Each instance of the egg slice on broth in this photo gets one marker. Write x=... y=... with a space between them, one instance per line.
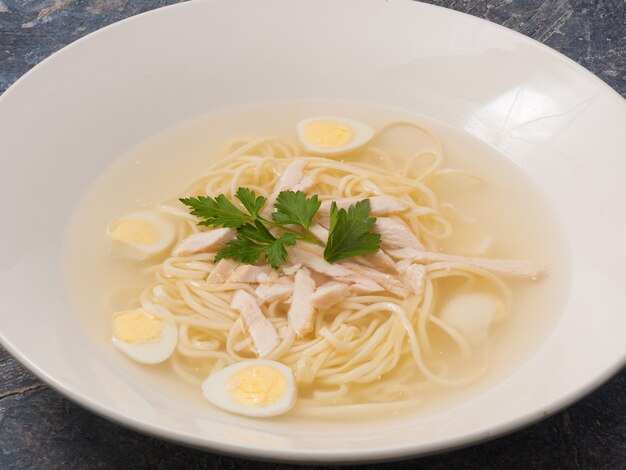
x=141 y=235
x=144 y=337
x=257 y=388
x=332 y=135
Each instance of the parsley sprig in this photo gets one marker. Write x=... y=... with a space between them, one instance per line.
x=349 y=233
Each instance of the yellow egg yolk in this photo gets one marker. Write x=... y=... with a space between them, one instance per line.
x=328 y=134
x=135 y=231
x=257 y=386
x=136 y=327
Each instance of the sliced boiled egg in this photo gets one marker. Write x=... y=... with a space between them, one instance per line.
x=144 y=337
x=471 y=314
x=332 y=135
x=257 y=388
x=141 y=235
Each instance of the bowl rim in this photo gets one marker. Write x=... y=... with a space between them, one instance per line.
x=299 y=455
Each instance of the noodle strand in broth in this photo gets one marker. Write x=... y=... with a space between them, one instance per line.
x=370 y=351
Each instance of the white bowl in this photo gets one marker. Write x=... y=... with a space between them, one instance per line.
x=63 y=123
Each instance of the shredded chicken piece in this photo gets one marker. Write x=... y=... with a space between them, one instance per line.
x=403 y=264
x=378 y=260
x=361 y=284
x=323 y=219
x=292 y=179
x=317 y=263
x=387 y=281
x=320 y=279
x=262 y=332
x=415 y=277
x=289 y=270
x=516 y=268
x=303 y=185
x=394 y=233
x=311 y=248
x=379 y=205
x=201 y=242
x=301 y=310
x=223 y=269
x=311 y=256
x=272 y=292
x=329 y=294
x=320 y=232
x=251 y=273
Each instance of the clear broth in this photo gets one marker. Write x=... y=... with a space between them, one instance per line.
x=510 y=209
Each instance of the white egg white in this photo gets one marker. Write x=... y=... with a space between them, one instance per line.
x=362 y=135
x=138 y=251
x=471 y=314
x=214 y=389
x=155 y=351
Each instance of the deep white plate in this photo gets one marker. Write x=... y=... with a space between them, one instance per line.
x=64 y=122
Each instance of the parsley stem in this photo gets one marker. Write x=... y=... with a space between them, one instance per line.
x=310 y=237
x=307 y=236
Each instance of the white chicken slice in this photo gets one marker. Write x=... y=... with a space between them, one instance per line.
x=317 y=263
x=379 y=260
x=516 y=268
x=292 y=179
x=312 y=257
x=387 y=281
x=329 y=294
x=379 y=205
x=394 y=233
x=272 y=292
x=303 y=185
x=262 y=332
x=415 y=277
x=251 y=274
x=320 y=232
x=289 y=270
x=202 y=242
x=223 y=269
x=361 y=284
x=301 y=310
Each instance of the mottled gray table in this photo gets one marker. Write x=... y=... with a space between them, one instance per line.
x=40 y=429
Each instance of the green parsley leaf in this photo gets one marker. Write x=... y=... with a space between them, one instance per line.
x=295 y=208
x=276 y=252
x=257 y=232
x=218 y=212
x=254 y=241
x=242 y=250
x=349 y=233
x=251 y=201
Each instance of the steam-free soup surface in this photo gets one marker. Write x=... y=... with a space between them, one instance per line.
x=498 y=215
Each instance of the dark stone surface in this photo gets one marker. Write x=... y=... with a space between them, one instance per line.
x=591 y=32
x=40 y=429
